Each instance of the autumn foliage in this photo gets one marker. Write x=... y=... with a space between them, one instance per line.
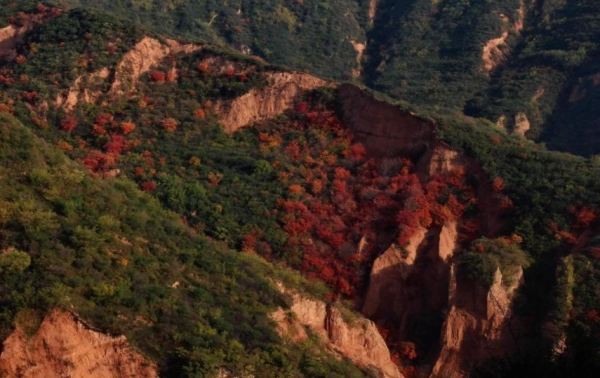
x=169 y=124
x=68 y=124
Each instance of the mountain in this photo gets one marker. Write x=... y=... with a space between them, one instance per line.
x=528 y=67
x=230 y=217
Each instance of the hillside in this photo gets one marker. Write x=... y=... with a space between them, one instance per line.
x=528 y=67
x=175 y=192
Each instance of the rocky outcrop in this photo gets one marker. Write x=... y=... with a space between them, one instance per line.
x=147 y=53
x=522 y=124
x=440 y=159
x=277 y=97
x=478 y=326
x=82 y=91
x=360 y=50
x=358 y=340
x=388 y=276
x=501 y=122
x=411 y=282
x=11 y=36
x=494 y=50
x=382 y=128
x=372 y=10
x=64 y=347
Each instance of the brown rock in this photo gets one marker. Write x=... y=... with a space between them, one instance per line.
x=407 y=283
x=146 y=54
x=477 y=326
x=64 y=347
x=382 y=128
x=81 y=91
x=11 y=36
x=260 y=104
x=522 y=124
x=358 y=341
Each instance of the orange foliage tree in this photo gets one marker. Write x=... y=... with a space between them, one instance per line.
x=169 y=124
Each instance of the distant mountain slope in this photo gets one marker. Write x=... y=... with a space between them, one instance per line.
x=308 y=34
x=431 y=52
x=523 y=65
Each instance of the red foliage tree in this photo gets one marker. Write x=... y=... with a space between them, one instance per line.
x=158 y=76
x=127 y=127
x=104 y=119
x=583 y=216
x=115 y=145
x=148 y=186
x=202 y=67
x=199 y=113
x=68 y=124
x=497 y=184
x=169 y=124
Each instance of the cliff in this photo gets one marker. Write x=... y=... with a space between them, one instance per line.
x=11 y=36
x=478 y=326
x=382 y=128
x=408 y=282
x=259 y=104
x=63 y=346
x=358 y=340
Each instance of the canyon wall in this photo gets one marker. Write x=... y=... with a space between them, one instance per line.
x=478 y=326
x=382 y=128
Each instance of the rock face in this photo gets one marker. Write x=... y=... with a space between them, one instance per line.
x=478 y=326
x=10 y=36
x=81 y=91
x=522 y=124
x=147 y=53
x=359 y=340
x=64 y=347
x=409 y=282
x=382 y=128
x=372 y=10
x=259 y=104
x=492 y=53
x=440 y=159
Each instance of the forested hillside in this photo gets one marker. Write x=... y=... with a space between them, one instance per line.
x=309 y=34
x=530 y=67
x=163 y=189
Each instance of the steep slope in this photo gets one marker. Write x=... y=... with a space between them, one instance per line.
x=357 y=339
x=407 y=198
x=64 y=346
x=299 y=34
x=548 y=83
x=111 y=253
x=438 y=53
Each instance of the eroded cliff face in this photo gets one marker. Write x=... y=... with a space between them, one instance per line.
x=495 y=50
x=478 y=326
x=11 y=36
x=64 y=347
x=408 y=283
x=382 y=128
x=147 y=53
x=83 y=90
x=358 y=340
x=277 y=97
